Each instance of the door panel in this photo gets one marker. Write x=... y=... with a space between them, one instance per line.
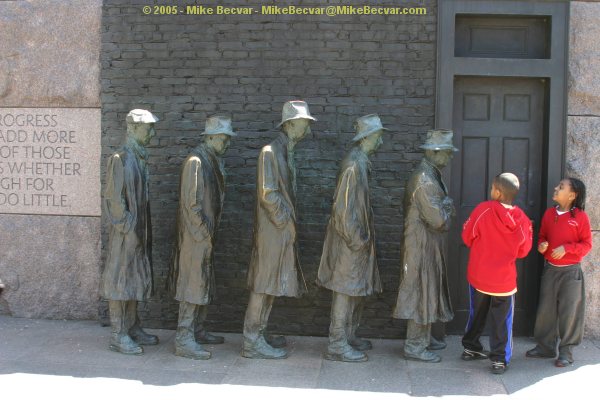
x=498 y=126
x=486 y=36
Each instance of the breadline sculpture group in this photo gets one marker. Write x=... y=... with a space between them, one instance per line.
x=348 y=264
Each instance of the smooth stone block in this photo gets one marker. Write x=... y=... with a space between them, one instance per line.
x=50 y=265
x=49 y=52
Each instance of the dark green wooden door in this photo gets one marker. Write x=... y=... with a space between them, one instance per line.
x=498 y=124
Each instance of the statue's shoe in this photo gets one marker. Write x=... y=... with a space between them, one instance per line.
x=276 y=341
x=125 y=345
x=435 y=344
x=361 y=344
x=261 y=349
x=191 y=350
x=143 y=338
x=425 y=356
x=351 y=355
x=205 y=337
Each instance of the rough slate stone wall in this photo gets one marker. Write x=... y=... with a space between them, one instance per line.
x=185 y=68
x=583 y=137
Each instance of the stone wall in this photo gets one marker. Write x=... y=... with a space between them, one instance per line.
x=185 y=68
x=49 y=68
x=583 y=136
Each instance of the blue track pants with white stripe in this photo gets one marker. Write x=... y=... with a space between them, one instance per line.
x=501 y=311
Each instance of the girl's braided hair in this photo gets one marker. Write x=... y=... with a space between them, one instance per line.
x=578 y=188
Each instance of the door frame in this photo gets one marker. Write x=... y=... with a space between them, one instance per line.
x=554 y=69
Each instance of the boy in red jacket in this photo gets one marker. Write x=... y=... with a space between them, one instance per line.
x=497 y=233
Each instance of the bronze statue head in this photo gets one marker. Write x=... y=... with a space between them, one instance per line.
x=368 y=133
x=295 y=120
x=140 y=126
x=217 y=133
x=438 y=147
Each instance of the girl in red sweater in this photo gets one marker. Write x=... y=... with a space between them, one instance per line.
x=565 y=238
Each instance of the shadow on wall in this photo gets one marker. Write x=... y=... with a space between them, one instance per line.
x=3 y=303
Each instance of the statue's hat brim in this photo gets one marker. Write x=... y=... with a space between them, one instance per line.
x=367 y=125
x=139 y=116
x=295 y=109
x=218 y=124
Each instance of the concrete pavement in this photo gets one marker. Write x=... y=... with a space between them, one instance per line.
x=71 y=359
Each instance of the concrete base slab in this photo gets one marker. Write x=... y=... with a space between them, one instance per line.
x=446 y=381
x=390 y=376
x=67 y=356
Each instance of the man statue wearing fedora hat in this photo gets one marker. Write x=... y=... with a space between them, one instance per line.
x=423 y=297
x=127 y=276
x=348 y=265
x=274 y=268
x=201 y=195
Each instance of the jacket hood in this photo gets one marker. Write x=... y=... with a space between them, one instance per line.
x=509 y=219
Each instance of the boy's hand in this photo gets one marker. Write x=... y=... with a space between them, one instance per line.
x=558 y=252
x=542 y=247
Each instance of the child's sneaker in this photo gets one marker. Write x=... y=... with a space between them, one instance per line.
x=498 y=367
x=470 y=355
x=563 y=361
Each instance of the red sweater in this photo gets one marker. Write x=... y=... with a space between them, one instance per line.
x=497 y=236
x=574 y=233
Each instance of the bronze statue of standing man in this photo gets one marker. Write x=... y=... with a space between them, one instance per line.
x=201 y=195
x=423 y=297
x=274 y=268
x=348 y=264
x=127 y=276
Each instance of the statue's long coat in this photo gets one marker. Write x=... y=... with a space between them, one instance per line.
x=423 y=295
x=274 y=267
x=128 y=269
x=201 y=196
x=348 y=263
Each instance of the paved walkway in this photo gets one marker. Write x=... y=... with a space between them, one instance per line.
x=71 y=359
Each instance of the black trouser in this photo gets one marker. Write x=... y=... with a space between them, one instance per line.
x=501 y=310
x=561 y=309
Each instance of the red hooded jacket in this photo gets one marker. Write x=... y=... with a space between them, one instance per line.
x=497 y=236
